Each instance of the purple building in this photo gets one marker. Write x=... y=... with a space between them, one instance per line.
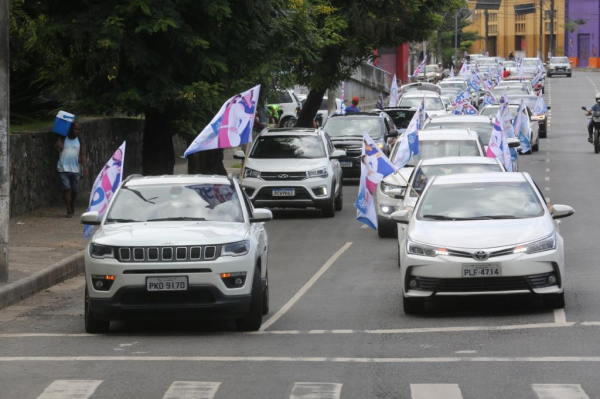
x=584 y=42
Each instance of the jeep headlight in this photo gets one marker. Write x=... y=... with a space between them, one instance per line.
x=415 y=248
x=318 y=173
x=239 y=248
x=101 y=251
x=251 y=173
x=545 y=244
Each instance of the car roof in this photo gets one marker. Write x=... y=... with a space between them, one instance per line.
x=290 y=131
x=176 y=179
x=492 y=177
x=459 y=161
x=356 y=115
x=459 y=118
x=420 y=93
x=447 y=134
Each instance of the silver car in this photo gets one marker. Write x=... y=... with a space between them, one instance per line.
x=559 y=66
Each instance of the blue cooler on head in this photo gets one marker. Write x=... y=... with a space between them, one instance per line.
x=62 y=123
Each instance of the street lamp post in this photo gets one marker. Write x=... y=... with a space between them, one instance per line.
x=456 y=33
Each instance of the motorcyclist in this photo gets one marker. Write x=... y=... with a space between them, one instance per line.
x=595 y=107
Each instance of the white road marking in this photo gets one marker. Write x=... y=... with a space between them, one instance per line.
x=559 y=316
x=559 y=391
x=547 y=169
x=547 y=188
x=472 y=328
x=547 y=160
x=305 y=288
x=316 y=390
x=466 y=352
x=70 y=389
x=435 y=391
x=547 y=178
x=43 y=335
x=591 y=323
x=300 y=359
x=192 y=390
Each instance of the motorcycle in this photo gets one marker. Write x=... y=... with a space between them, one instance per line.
x=596 y=129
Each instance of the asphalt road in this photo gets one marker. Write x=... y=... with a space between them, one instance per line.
x=336 y=326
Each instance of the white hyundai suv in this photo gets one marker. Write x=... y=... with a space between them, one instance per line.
x=293 y=168
x=177 y=246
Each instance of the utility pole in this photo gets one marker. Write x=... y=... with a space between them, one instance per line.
x=552 y=27
x=541 y=48
x=486 y=30
x=425 y=56
x=4 y=124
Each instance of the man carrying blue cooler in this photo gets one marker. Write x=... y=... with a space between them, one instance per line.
x=72 y=154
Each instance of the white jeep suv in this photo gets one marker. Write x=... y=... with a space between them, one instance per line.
x=293 y=168
x=177 y=246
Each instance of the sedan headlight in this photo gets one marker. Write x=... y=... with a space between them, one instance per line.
x=380 y=146
x=545 y=244
x=386 y=188
x=239 y=248
x=101 y=251
x=251 y=173
x=415 y=248
x=318 y=173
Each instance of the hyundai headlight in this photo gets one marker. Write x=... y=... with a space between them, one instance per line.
x=318 y=173
x=386 y=188
x=101 y=251
x=545 y=244
x=380 y=146
x=239 y=248
x=415 y=248
x=251 y=173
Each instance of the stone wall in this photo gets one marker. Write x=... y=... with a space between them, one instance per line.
x=33 y=159
x=367 y=83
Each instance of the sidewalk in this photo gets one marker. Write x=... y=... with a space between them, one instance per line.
x=586 y=69
x=45 y=248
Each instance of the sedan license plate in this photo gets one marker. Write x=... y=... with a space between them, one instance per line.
x=283 y=192
x=346 y=164
x=167 y=283
x=482 y=270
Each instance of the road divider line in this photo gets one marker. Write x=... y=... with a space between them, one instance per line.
x=560 y=316
x=305 y=288
x=435 y=391
x=192 y=389
x=79 y=389
x=316 y=390
x=559 y=391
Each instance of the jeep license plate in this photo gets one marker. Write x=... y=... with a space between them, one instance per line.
x=283 y=192
x=166 y=283
x=346 y=164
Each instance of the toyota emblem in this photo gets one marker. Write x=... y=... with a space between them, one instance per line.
x=283 y=176
x=481 y=255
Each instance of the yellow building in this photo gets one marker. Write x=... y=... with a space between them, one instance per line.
x=518 y=33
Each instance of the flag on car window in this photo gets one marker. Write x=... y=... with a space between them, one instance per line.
x=231 y=126
x=342 y=109
x=394 y=92
x=374 y=167
x=105 y=186
x=507 y=126
x=540 y=106
x=462 y=96
x=421 y=65
x=521 y=127
x=498 y=145
x=489 y=99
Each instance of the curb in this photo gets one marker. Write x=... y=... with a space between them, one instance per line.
x=586 y=69
x=47 y=277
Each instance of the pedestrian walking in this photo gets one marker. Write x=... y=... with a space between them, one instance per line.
x=70 y=163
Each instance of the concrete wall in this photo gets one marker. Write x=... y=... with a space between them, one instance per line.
x=33 y=160
x=589 y=11
x=367 y=83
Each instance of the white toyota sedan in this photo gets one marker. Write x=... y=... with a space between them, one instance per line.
x=481 y=234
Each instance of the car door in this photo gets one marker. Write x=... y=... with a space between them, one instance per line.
x=335 y=164
x=534 y=126
x=259 y=234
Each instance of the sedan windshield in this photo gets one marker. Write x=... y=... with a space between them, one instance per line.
x=483 y=129
x=530 y=63
x=510 y=64
x=427 y=172
x=480 y=201
x=431 y=103
x=349 y=126
x=454 y=85
x=559 y=60
x=194 y=202
x=499 y=91
x=306 y=147
x=445 y=148
x=493 y=111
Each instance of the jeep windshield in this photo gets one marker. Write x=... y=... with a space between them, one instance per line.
x=279 y=147
x=176 y=202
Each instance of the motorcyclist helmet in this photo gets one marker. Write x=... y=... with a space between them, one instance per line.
x=597 y=98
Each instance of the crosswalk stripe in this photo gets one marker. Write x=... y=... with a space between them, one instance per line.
x=435 y=391
x=316 y=390
x=559 y=391
x=192 y=390
x=70 y=389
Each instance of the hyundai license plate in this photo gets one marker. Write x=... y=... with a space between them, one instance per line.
x=166 y=283
x=482 y=270
x=346 y=164
x=283 y=192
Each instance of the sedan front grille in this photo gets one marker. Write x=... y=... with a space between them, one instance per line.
x=484 y=284
x=168 y=254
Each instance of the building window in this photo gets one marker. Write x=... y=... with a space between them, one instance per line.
x=547 y=26
x=520 y=27
x=520 y=17
x=492 y=29
x=492 y=17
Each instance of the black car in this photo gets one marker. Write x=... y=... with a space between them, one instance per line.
x=346 y=133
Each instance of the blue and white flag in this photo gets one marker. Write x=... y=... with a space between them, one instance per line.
x=374 y=167
x=463 y=69
x=507 y=126
x=421 y=65
x=540 y=106
x=452 y=71
x=380 y=101
x=521 y=128
x=536 y=79
x=475 y=80
x=409 y=145
x=498 y=145
x=231 y=126
x=462 y=96
x=105 y=186
x=458 y=108
x=342 y=109
x=394 y=92
x=469 y=109
x=500 y=73
x=489 y=99
x=520 y=69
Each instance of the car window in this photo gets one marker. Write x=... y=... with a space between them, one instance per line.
x=493 y=111
x=483 y=129
x=559 y=60
x=431 y=103
x=278 y=147
x=499 y=91
x=248 y=203
x=345 y=126
x=194 y=202
x=427 y=172
x=480 y=200
x=454 y=85
x=401 y=118
x=445 y=148
x=330 y=145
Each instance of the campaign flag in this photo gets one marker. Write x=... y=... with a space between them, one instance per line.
x=521 y=128
x=452 y=71
x=488 y=84
x=458 y=108
x=500 y=73
x=105 y=186
x=520 y=69
x=380 y=101
x=469 y=109
x=462 y=96
x=231 y=126
x=342 y=109
x=540 y=106
x=498 y=146
x=507 y=125
x=374 y=167
x=463 y=69
x=409 y=145
x=421 y=65
x=475 y=80
x=422 y=119
x=489 y=99
x=394 y=92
